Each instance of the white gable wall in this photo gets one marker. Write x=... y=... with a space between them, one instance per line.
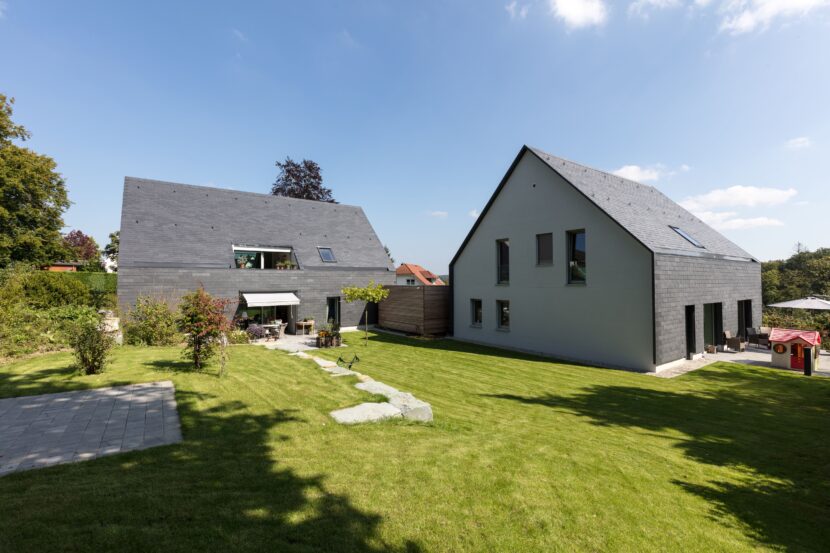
x=607 y=321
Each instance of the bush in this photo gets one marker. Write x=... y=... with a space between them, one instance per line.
x=202 y=319
x=92 y=347
x=237 y=337
x=255 y=332
x=151 y=323
x=44 y=289
x=102 y=287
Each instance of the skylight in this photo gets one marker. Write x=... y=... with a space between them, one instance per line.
x=688 y=237
x=327 y=255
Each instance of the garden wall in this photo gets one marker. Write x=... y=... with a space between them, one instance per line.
x=423 y=310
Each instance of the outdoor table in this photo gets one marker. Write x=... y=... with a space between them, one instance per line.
x=305 y=327
x=273 y=327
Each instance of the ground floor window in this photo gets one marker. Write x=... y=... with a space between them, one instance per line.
x=503 y=312
x=333 y=310
x=475 y=312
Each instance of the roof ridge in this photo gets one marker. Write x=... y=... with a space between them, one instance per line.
x=594 y=169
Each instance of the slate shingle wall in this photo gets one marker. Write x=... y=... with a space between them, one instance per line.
x=680 y=281
x=312 y=287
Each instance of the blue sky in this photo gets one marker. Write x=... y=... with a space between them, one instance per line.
x=414 y=110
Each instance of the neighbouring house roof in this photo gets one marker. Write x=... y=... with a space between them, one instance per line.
x=424 y=276
x=166 y=224
x=812 y=337
x=643 y=211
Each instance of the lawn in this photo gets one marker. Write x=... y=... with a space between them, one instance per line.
x=525 y=454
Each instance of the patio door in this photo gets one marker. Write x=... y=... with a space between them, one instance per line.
x=744 y=317
x=713 y=324
x=333 y=310
x=691 y=348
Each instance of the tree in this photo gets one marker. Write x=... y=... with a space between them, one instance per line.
x=33 y=198
x=301 y=180
x=371 y=293
x=81 y=247
x=202 y=319
x=111 y=249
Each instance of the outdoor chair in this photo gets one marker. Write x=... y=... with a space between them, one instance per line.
x=733 y=342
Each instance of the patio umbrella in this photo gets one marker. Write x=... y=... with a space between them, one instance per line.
x=809 y=302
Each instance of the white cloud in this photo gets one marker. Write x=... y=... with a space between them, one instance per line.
x=240 y=36
x=639 y=174
x=744 y=16
x=3 y=7
x=642 y=8
x=516 y=10
x=799 y=143
x=580 y=13
x=727 y=220
x=739 y=196
x=685 y=168
x=438 y=214
x=474 y=213
x=346 y=39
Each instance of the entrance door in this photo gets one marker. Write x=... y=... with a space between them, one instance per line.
x=744 y=317
x=797 y=356
x=691 y=348
x=333 y=310
x=713 y=324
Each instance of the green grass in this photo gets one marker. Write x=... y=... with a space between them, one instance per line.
x=524 y=455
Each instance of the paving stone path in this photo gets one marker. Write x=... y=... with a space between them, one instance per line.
x=399 y=404
x=50 y=429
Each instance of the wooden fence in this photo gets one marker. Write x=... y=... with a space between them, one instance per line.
x=423 y=310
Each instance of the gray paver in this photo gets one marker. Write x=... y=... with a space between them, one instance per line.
x=50 y=429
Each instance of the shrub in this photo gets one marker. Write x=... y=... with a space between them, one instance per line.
x=44 y=289
x=255 y=332
x=202 y=319
x=92 y=347
x=237 y=337
x=151 y=323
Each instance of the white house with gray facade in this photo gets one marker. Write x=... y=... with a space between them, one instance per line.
x=276 y=258
x=582 y=265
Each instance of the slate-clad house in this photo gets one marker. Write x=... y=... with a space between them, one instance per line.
x=583 y=265
x=275 y=257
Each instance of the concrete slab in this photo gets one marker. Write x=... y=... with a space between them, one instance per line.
x=366 y=412
x=50 y=429
x=411 y=407
x=375 y=387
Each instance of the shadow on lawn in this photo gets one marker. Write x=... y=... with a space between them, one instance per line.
x=771 y=429
x=222 y=489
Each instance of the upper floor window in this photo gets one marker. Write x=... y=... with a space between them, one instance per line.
x=503 y=261
x=261 y=257
x=410 y=282
x=544 y=249
x=327 y=255
x=689 y=238
x=576 y=256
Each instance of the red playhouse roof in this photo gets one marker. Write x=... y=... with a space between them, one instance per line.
x=812 y=337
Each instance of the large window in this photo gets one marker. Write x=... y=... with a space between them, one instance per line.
x=576 y=257
x=256 y=257
x=327 y=255
x=476 y=315
x=688 y=237
x=503 y=261
x=503 y=312
x=544 y=249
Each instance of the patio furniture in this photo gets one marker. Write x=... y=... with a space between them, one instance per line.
x=305 y=327
x=274 y=331
x=733 y=342
x=759 y=336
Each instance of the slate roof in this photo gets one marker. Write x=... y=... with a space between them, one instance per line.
x=166 y=224
x=644 y=211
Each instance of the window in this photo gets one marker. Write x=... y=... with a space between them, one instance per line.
x=688 y=237
x=264 y=257
x=503 y=261
x=475 y=312
x=576 y=257
x=333 y=310
x=503 y=311
x=544 y=249
x=327 y=255
x=410 y=282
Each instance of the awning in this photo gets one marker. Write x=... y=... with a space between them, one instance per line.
x=269 y=300
x=804 y=303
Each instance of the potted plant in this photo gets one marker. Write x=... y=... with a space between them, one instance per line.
x=324 y=337
x=336 y=339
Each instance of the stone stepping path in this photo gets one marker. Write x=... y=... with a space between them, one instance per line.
x=399 y=404
x=50 y=429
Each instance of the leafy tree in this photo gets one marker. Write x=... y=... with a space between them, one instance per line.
x=202 y=319
x=301 y=180
x=371 y=293
x=111 y=249
x=81 y=246
x=33 y=198
x=151 y=323
x=92 y=345
x=44 y=289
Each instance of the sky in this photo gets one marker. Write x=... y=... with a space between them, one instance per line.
x=415 y=110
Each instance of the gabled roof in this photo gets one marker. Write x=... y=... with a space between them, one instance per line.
x=420 y=273
x=166 y=224
x=643 y=211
